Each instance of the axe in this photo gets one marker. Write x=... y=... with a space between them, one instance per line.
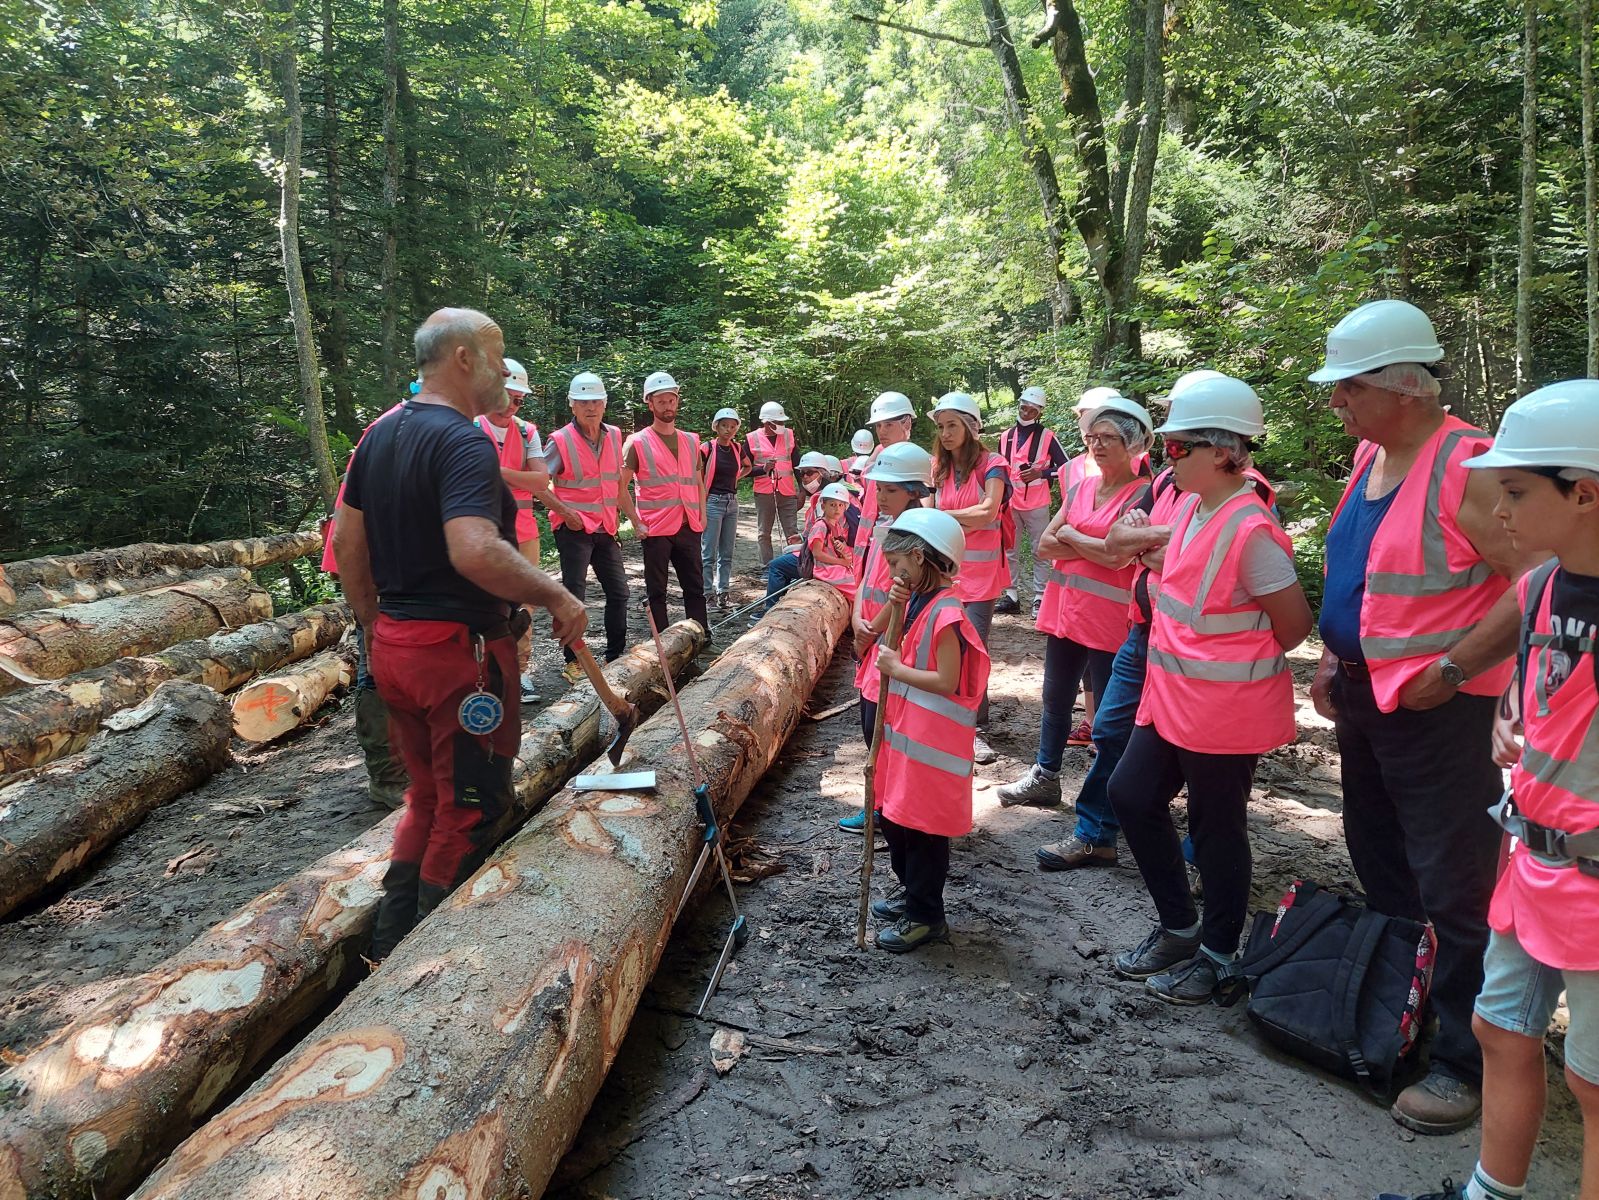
x=626 y=714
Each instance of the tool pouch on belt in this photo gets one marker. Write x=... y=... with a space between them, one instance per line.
x=1338 y=985
x=521 y=621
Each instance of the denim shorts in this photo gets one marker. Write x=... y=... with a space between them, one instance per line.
x=1520 y=994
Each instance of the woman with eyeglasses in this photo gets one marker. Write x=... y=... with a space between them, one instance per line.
x=1217 y=695
x=1085 y=601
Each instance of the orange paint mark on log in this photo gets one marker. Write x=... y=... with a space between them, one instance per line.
x=464 y=1166
x=332 y=1070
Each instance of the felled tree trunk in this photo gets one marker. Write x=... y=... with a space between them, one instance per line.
x=54 y=642
x=448 y=1074
x=43 y=723
x=106 y=1097
x=146 y=558
x=54 y=821
x=85 y=591
x=268 y=708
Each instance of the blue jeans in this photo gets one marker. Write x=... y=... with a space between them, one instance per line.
x=1065 y=664
x=1113 y=725
x=780 y=572
x=716 y=544
x=981 y=614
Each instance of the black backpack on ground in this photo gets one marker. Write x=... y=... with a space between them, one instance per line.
x=1339 y=985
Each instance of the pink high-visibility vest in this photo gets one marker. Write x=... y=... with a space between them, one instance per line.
x=843 y=576
x=513 y=456
x=588 y=483
x=984 y=573
x=1025 y=497
x=1553 y=911
x=779 y=452
x=875 y=580
x=1217 y=681
x=924 y=766
x=1083 y=600
x=669 y=485
x=1426 y=585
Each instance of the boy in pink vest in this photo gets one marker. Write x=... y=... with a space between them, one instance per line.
x=1544 y=915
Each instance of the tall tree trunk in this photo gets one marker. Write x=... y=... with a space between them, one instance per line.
x=316 y=426
x=1136 y=228
x=1527 y=262
x=410 y=196
x=335 y=331
x=388 y=271
x=1136 y=14
x=1590 y=175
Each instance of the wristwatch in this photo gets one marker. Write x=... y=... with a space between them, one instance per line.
x=1451 y=672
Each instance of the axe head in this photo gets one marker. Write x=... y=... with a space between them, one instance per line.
x=626 y=723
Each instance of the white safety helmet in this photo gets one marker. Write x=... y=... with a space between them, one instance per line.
x=1554 y=426
x=773 y=411
x=1121 y=404
x=904 y=462
x=862 y=442
x=960 y=402
x=586 y=386
x=812 y=460
x=1187 y=380
x=1377 y=335
x=516 y=382
x=835 y=491
x=938 y=529
x=889 y=405
x=1219 y=403
x=1095 y=397
x=661 y=381
x=1033 y=396
x=725 y=414
x=833 y=464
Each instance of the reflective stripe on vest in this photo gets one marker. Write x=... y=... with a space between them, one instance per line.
x=781 y=455
x=668 y=496
x=943 y=706
x=1192 y=615
x=1083 y=600
x=984 y=572
x=1219 y=672
x=1436 y=577
x=589 y=483
x=1023 y=497
x=927 y=756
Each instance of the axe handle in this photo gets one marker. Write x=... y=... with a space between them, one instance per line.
x=618 y=707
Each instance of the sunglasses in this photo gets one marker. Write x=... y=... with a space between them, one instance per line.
x=1104 y=439
x=1176 y=451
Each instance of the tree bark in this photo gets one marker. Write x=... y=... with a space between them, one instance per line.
x=266 y=709
x=388 y=269
x=335 y=332
x=1526 y=263
x=316 y=425
x=1135 y=227
x=32 y=599
x=1590 y=188
x=80 y=578
x=56 y=820
x=42 y=724
x=151 y=1061
x=444 y=1074
x=53 y=643
x=1135 y=15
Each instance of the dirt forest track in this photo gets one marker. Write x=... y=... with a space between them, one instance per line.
x=1008 y=1063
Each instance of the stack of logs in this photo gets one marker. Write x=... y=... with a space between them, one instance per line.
x=465 y=1065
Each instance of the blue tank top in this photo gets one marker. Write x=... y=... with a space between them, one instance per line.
x=1348 y=548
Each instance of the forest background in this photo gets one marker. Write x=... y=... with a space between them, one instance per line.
x=223 y=221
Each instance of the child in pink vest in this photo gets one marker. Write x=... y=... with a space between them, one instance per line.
x=828 y=540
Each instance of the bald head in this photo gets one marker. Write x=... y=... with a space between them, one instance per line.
x=460 y=355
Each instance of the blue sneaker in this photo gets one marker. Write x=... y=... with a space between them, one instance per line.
x=854 y=823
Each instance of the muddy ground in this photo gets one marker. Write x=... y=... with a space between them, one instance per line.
x=1007 y=1063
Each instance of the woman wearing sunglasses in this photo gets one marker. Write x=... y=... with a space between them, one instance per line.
x=1217 y=696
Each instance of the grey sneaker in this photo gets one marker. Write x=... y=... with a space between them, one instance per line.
x=1034 y=788
x=982 y=752
x=1192 y=982
x=1160 y=951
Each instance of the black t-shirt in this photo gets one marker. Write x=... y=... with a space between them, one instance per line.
x=1574 y=619
x=728 y=460
x=413 y=471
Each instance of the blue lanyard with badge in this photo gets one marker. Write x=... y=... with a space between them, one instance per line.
x=481 y=712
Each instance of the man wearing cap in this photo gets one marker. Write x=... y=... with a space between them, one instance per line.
x=426 y=541
x=584 y=462
x=1418 y=623
x=664 y=463
x=522 y=467
x=771 y=449
x=724 y=461
x=1034 y=455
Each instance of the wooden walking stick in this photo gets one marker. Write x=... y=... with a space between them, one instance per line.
x=896 y=617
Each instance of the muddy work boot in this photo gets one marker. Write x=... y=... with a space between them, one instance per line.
x=1160 y=951
x=906 y=935
x=1192 y=982
x=1438 y=1104
x=1074 y=852
x=386 y=779
x=1039 y=788
x=890 y=908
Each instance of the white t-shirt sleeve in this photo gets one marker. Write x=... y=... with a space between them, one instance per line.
x=1266 y=567
x=535 y=443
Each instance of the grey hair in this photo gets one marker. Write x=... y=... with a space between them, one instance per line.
x=1234 y=445
x=1132 y=431
x=1407 y=379
x=445 y=330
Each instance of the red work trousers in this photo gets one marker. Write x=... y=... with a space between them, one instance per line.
x=460 y=782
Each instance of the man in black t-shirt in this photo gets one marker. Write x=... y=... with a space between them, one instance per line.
x=426 y=545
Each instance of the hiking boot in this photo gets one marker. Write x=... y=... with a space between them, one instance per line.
x=982 y=752
x=1035 y=788
x=721 y=602
x=891 y=908
x=1158 y=952
x=906 y=935
x=1438 y=1104
x=1082 y=734
x=1074 y=852
x=1007 y=604
x=1192 y=982
x=1452 y=1191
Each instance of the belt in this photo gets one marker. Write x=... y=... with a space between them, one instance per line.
x=1354 y=670
x=1550 y=846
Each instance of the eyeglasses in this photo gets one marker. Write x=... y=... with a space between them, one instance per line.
x=1176 y=451
x=1103 y=439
